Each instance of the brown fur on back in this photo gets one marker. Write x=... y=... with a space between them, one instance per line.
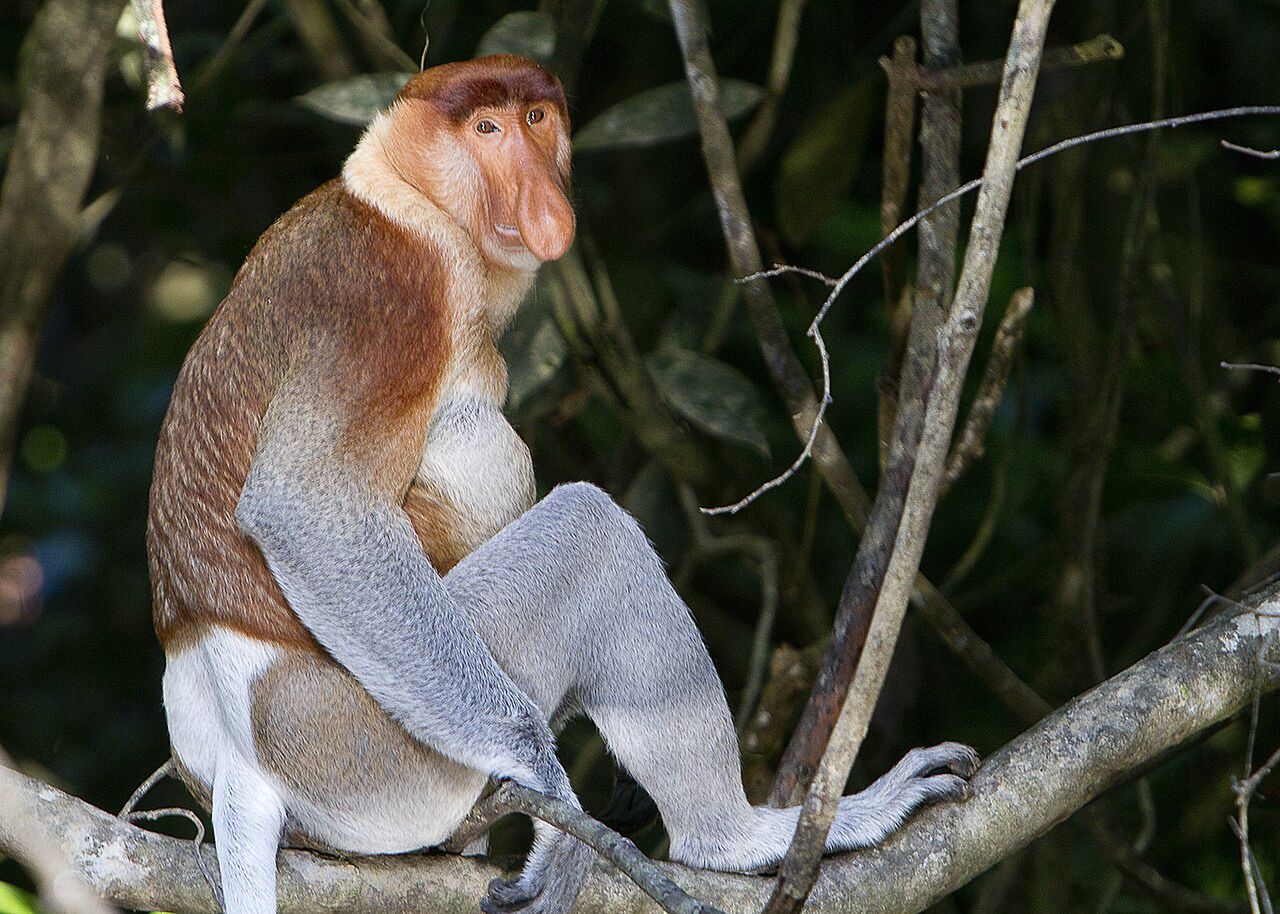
x=332 y=278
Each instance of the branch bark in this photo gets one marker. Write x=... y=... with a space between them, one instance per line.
x=61 y=890
x=1086 y=747
x=55 y=148
x=880 y=583
x=788 y=374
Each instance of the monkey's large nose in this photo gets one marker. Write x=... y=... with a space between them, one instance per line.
x=544 y=217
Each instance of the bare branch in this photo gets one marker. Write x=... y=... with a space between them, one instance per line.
x=971 y=445
x=1256 y=153
x=61 y=889
x=786 y=35
x=164 y=90
x=1024 y=789
x=789 y=377
x=899 y=131
x=55 y=149
x=843 y=281
x=371 y=22
x=987 y=72
x=880 y=585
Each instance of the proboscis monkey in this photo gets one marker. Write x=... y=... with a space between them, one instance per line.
x=365 y=615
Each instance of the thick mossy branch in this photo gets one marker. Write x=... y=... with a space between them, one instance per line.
x=1089 y=745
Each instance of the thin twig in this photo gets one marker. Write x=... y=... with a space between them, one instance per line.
x=987 y=72
x=1250 y=366
x=780 y=268
x=483 y=816
x=376 y=34
x=786 y=35
x=164 y=90
x=151 y=815
x=886 y=594
x=963 y=190
x=145 y=787
x=971 y=445
x=1256 y=153
x=606 y=842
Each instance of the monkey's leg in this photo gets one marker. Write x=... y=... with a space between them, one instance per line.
x=247 y=820
x=575 y=606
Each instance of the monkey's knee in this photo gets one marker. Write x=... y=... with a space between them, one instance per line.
x=584 y=501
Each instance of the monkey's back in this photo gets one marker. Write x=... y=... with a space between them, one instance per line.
x=313 y=276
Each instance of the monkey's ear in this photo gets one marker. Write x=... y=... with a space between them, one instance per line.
x=544 y=216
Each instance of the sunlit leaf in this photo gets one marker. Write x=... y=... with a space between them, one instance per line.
x=818 y=168
x=715 y=397
x=528 y=33
x=659 y=115
x=15 y=901
x=355 y=100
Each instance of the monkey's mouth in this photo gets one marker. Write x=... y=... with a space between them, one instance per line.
x=509 y=235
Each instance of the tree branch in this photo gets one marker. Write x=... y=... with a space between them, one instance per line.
x=55 y=149
x=164 y=89
x=930 y=78
x=1088 y=746
x=883 y=575
x=61 y=890
x=972 y=443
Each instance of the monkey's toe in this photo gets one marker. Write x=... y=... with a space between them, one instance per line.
x=507 y=895
x=952 y=758
x=940 y=787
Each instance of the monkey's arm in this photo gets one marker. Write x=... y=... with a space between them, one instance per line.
x=322 y=500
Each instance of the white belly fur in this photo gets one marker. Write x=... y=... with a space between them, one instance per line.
x=474 y=459
x=208 y=695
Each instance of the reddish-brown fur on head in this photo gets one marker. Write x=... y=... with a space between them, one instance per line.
x=487 y=141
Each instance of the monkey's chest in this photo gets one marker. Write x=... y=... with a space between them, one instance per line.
x=475 y=477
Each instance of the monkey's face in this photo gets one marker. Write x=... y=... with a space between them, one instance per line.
x=524 y=207
x=491 y=148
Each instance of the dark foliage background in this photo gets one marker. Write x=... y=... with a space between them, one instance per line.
x=1188 y=491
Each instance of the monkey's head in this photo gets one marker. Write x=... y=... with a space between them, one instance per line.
x=487 y=140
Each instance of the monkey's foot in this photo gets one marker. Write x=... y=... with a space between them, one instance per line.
x=922 y=778
x=548 y=885
x=927 y=776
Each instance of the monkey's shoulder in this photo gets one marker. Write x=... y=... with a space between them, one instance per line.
x=333 y=261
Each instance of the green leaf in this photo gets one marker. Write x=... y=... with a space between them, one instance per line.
x=535 y=352
x=818 y=168
x=528 y=33
x=660 y=114
x=713 y=396
x=15 y=901
x=355 y=100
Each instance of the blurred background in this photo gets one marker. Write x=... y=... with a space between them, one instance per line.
x=1125 y=470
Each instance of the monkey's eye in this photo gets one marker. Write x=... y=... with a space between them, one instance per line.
x=486 y=126
x=535 y=115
